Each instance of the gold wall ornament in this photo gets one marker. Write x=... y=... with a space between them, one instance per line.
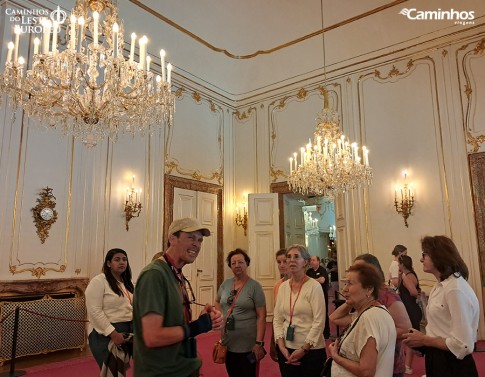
x=133 y=204
x=44 y=213
x=404 y=202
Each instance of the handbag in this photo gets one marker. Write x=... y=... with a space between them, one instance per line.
x=219 y=352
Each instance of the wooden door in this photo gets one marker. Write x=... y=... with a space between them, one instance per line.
x=263 y=233
x=202 y=274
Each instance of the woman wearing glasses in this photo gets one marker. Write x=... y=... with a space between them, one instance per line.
x=299 y=319
x=452 y=313
x=242 y=302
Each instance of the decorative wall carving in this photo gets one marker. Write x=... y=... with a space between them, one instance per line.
x=474 y=127
x=477 y=173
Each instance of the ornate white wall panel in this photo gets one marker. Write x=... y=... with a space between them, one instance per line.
x=193 y=145
x=395 y=115
x=470 y=60
x=292 y=122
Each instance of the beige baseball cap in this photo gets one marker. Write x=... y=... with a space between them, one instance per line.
x=187 y=224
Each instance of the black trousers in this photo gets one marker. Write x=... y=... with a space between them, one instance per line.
x=311 y=364
x=238 y=365
x=98 y=343
x=440 y=363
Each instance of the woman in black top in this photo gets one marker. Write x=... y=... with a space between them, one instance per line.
x=409 y=290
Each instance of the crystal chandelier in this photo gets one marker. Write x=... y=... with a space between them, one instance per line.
x=331 y=165
x=311 y=224
x=84 y=85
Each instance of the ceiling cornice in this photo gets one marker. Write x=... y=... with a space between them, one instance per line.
x=271 y=50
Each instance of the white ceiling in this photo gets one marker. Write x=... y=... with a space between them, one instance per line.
x=193 y=31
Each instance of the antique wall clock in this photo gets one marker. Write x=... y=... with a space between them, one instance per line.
x=44 y=213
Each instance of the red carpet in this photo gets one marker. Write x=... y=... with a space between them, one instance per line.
x=86 y=366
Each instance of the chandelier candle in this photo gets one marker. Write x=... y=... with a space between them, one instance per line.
x=85 y=87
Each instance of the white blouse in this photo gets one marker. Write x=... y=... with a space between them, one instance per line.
x=308 y=315
x=105 y=307
x=452 y=314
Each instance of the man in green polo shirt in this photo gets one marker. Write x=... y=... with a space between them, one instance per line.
x=164 y=344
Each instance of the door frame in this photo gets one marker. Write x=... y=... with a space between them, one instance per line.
x=170 y=182
x=281 y=188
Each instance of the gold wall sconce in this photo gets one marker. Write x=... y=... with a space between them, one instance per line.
x=241 y=217
x=406 y=200
x=132 y=203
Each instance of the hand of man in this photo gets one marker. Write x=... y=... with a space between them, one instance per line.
x=215 y=315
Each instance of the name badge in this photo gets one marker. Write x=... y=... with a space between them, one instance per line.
x=290 y=333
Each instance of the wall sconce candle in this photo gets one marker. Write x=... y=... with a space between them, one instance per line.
x=332 y=235
x=241 y=219
x=406 y=202
x=132 y=203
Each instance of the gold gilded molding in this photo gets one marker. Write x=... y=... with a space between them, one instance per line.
x=216 y=175
x=197 y=97
x=475 y=142
x=394 y=72
x=281 y=103
x=38 y=272
x=469 y=101
x=468 y=91
x=243 y=115
x=271 y=50
x=276 y=173
x=302 y=93
x=179 y=92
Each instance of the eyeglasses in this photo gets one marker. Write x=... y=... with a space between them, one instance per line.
x=424 y=254
x=231 y=297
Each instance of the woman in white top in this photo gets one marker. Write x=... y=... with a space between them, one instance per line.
x=109 y=298
x=367 y=346
x=299 y=319
x=452 y=313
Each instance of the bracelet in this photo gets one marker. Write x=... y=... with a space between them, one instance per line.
x=305 y=351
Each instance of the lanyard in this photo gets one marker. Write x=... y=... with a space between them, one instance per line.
x=183 y=289
x=237 y=295
x=126 y=293
x=292 y=306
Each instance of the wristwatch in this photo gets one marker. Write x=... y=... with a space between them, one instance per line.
x=260 y=343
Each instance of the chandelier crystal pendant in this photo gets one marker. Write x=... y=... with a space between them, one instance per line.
x=331 y=165
x=86 y=87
